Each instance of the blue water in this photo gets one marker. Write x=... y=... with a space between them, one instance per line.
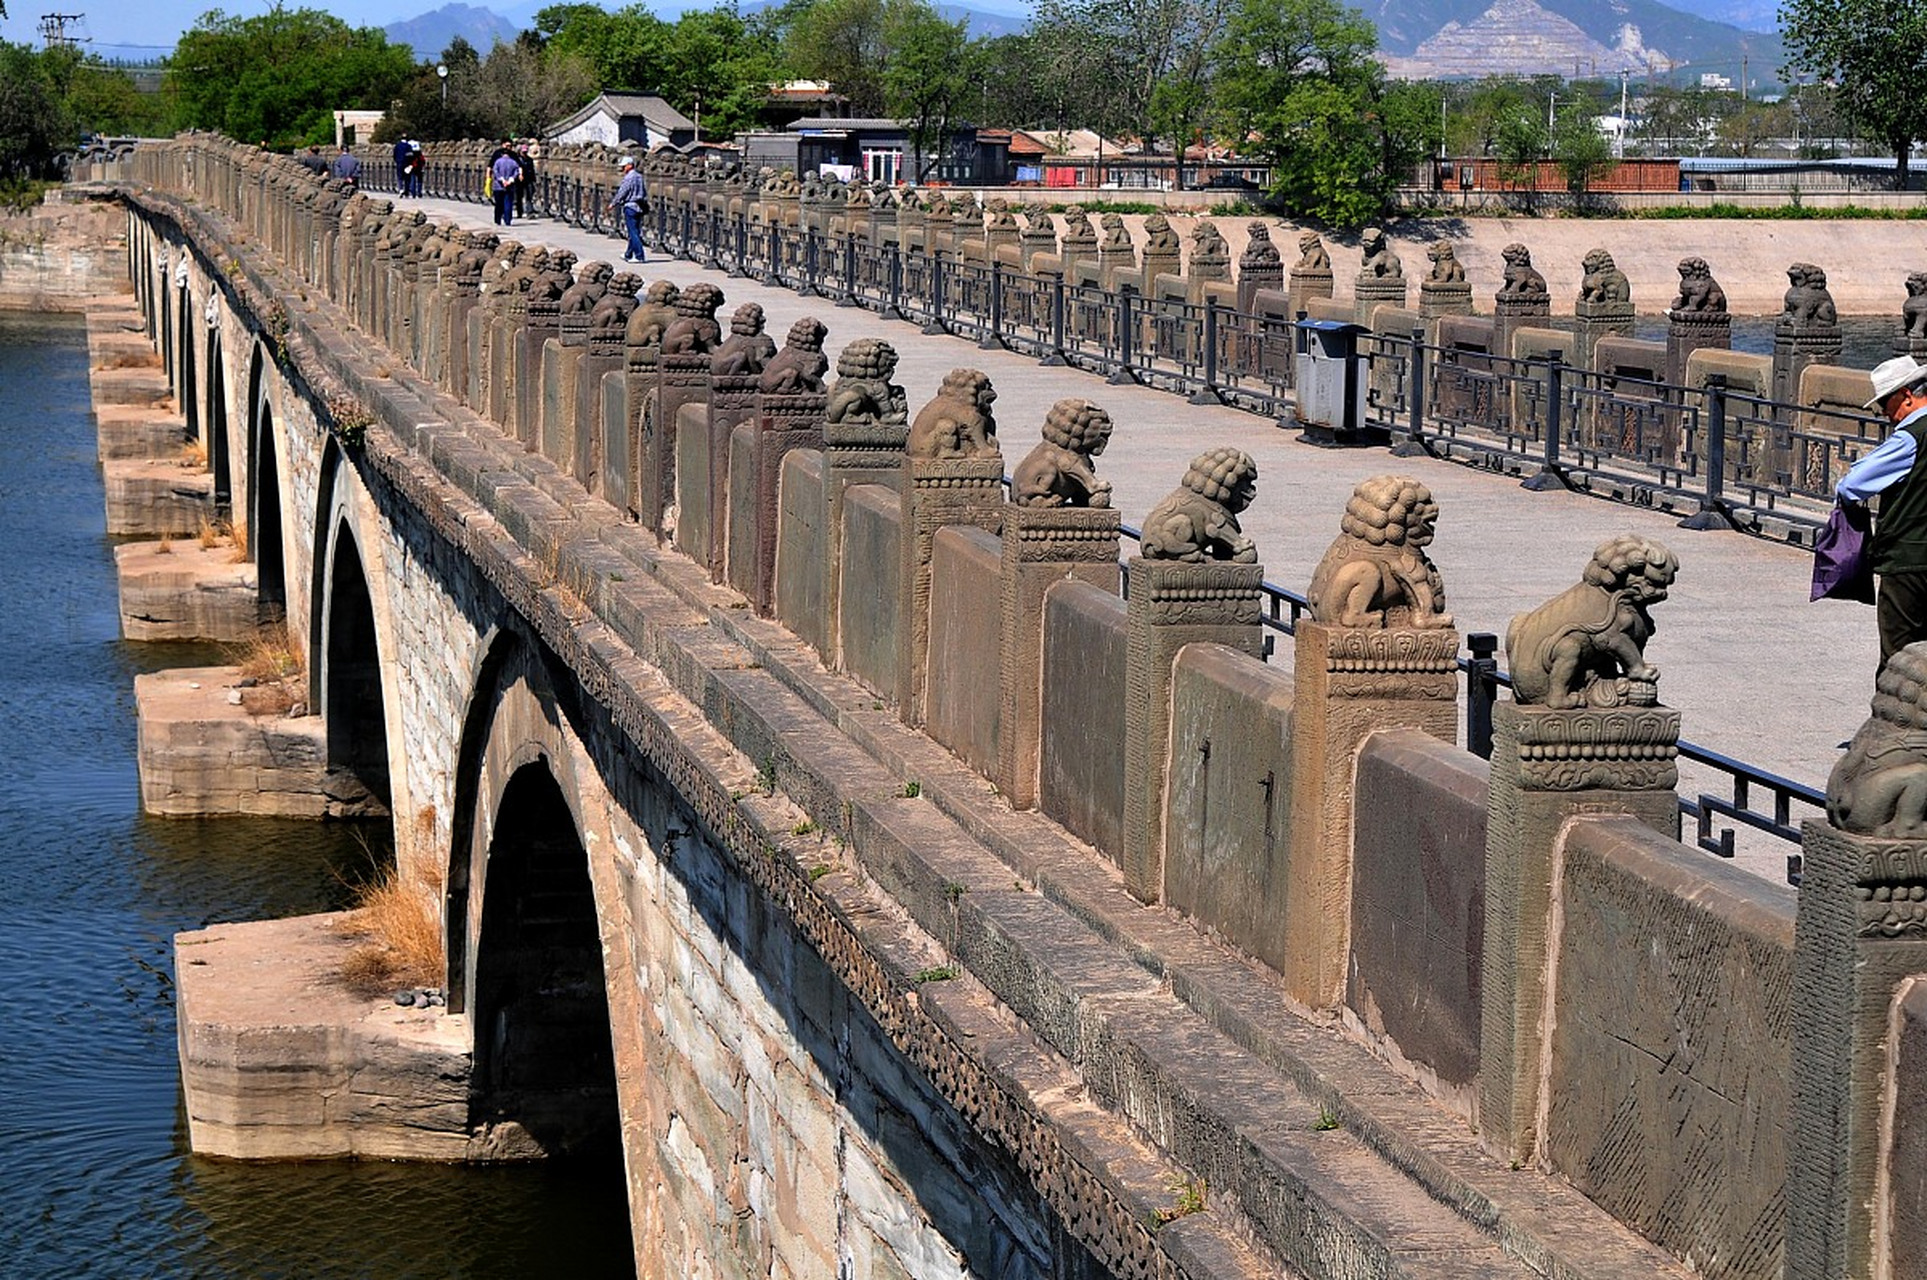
x=98 y=1180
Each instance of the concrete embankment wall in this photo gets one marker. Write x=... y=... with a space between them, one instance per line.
x=59 y=254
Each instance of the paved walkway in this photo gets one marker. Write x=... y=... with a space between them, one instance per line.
x=1756 y=670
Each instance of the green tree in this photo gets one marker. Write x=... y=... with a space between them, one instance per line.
x=35 y=124
x=280 y=76
x=1578 y=147
x=1875 y=54
x=845 y=42
x=1744 y=131
x=1112 y=56
x=926 y=81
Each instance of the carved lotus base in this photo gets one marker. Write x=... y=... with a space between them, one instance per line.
x=1604 y=749
x=1385 y=664
x=1209 y=593
x=1060 y=535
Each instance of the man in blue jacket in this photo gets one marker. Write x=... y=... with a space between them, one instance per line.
x=1897 y=471
x=629 y=198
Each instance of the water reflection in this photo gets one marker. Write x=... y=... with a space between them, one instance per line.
x=99 y=1182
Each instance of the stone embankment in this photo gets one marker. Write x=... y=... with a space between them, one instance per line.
x=59 y=255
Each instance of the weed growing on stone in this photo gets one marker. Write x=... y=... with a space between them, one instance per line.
x=820 y=870
x=953 y=892
x=1187 y=1198
x=209 y=535
x=194 y=454
x=349 y=420
x=766 y=776
x=403 y=935
x=912 y=789
x=1327 y=1120
x=941 y=973
x=165 y=547
x=803 y=828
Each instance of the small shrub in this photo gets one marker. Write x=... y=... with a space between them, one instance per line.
x=1327 y=1120
x=820 y=870
x=953 y=892
x=1187 y=1199
x=803 y=828
x=766 y=776
x=349 y=420
x=941 y=973
x=912 y=789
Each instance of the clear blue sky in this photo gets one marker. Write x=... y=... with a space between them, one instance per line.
x=118 y=25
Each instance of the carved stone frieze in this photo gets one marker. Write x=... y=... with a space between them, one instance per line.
x=1617 y=749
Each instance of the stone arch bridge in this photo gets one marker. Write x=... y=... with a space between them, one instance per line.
x=888 y=931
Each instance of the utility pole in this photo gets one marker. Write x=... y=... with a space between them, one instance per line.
x=1623 y=73
x=55 y=29
x=1742 y=79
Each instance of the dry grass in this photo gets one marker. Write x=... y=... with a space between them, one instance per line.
x=194 y=455
x=211 y=533
x=268 y=656
x=165 y=547
x=239 y=532
x=402 y=927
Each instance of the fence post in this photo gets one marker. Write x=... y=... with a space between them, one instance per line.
x=1208 y=393
x=775 y=273
x=935 y=325
x=1712 y=513
x=1053 y=356
x=993 y=339
x=809 y=289
x=849 y=295
x=892 y=308
x=1413 y=446
x=1125 y=375
x=1549 y=476
x=1481 y=691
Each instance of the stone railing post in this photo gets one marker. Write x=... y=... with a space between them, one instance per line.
x=936 y=492
x=1860 y=934
x=784 y=422
x=853 y=453
x=1042 y=545
x=732 y=402
x=1578 y=744
x=1172 y=603
x=682 y=378
x=1349 y=682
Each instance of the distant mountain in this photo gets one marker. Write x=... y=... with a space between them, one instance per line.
x=1747 y=15
x=1563 y=37
x=430 y=33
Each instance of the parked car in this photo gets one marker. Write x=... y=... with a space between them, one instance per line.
x=1229 y=182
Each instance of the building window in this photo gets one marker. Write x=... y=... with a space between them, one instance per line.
x=882 y=166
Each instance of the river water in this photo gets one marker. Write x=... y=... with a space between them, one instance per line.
x=98 y=1180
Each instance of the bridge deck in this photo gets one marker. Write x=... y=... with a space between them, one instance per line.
x=1757 y=671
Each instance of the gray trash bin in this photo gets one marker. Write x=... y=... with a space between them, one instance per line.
x=1331 y=383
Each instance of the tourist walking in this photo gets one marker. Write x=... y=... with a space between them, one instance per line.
x=525 y=154
x=1897 y=472
x=312 y=161
x=504 y=175
x=629 y=199
x=401 y=167
x=347 y=167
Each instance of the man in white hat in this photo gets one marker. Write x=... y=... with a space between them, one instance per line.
x=628 y=198
x=1896 y=471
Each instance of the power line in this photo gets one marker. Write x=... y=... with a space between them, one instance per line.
x=60 y=30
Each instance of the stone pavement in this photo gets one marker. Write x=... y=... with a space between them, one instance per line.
x=1757 y=671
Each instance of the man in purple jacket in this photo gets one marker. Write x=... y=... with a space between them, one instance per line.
x=505 y=171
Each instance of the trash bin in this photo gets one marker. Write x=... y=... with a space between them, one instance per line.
x=1331 y=383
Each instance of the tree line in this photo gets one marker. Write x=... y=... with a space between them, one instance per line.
x=1294 y=84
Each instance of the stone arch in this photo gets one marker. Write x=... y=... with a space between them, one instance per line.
x=265 y=542
x=217 y=423
x=347 y=662
x=523 y=931
x=186 y=380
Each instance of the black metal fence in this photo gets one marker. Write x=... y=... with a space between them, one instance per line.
x=1731 y=460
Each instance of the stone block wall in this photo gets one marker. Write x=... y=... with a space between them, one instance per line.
x=1670 y=1073
x=801 y=547
x=1227 y=811
x=964 y=692
x=872 y=570
x=1081 y=771
x=1418 y=905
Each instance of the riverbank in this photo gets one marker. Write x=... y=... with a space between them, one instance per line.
x=58 y=254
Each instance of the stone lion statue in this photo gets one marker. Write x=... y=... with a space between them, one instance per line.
x=1699 y=292
x=1603 y=282
x=1913 y=312
x=1808 y=301
x=1038 y=222
x=957 y=422
x=1208 y=243
x=1058 y=471
x=863 y=390
x=1158 y=235
x=613 y=308
x=1312 y=254
x=999 y=217
x=1446 y=267
x=1586 y=647
x=747 y=351
x=1378 y=261
x=1522 y=279
x=1259 y=250
x=590 y=284
x=1117 y=238
x=1376 y=573
x=655 y=313
x=694 y=331
x=1198 y=521
x=556 y=279
x=799 y=367
x=1879 y=788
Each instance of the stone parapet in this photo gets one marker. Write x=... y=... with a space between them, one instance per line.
x=732 y=402
x=1549 y=766
x=1172 y=603
x=1041 y=546
x=936 y=492
x=853 y=453
x=783 y=423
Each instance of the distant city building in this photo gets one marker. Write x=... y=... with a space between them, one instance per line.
x=641 y=120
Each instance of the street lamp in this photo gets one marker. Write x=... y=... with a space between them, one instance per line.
x=441 y=69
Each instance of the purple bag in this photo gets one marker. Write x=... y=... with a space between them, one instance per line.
x=1843 y=557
